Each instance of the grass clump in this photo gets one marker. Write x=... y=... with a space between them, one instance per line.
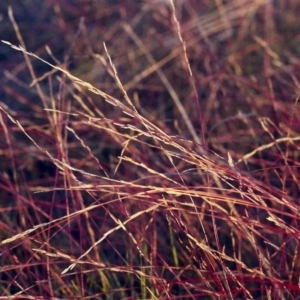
x=157 y=158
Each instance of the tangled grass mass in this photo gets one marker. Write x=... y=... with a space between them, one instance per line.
x=150 y=150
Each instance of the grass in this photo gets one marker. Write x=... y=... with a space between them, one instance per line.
x=150 y=151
